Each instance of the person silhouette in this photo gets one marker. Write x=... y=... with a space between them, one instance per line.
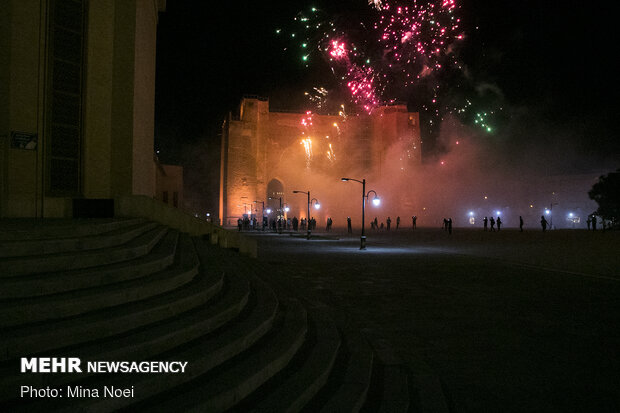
x=499 y=223
x=349 y=230
x=414 y=219
x=543 y=223
x=397 y=222
x=389 y=221
x=486 y=223
x=520 y=223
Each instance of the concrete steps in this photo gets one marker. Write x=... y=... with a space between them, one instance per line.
x=160 y=257
x=131 y=290
x=25 y=247
x=19 y=229
x=141 y=245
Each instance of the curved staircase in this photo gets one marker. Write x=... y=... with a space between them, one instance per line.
x=134 y=290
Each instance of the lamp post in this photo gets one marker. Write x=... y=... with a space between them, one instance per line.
x=551 y=214
x=262 y=221
x=365 y=195
x=280 y=214
x=317 y=205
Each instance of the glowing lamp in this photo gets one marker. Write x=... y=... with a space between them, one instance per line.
x=286 y=209
x=317 y=205
x=499 y=212
x=471 y=213
x=376 y=201
x=547 y=211
x=268 y=210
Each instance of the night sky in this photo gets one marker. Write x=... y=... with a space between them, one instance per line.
x=546 y=69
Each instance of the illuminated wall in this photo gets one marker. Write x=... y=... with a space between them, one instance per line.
x=77 y=80
x=262 y=150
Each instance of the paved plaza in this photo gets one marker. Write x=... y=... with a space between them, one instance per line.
x=484 y=321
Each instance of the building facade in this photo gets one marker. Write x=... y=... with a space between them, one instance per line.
x=77 y=80
x=268 y=155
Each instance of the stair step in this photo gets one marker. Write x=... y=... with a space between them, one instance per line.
x=351 y=395
x=161 y=256
x=46 y=336
x=73 y=243
x=220 y=390
x=72 y=303
x=395 y=398
x=305 y=383
x=12 y=229
x=150 y=341
x=139 y=246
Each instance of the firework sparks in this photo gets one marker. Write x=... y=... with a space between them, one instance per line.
x=401 y=44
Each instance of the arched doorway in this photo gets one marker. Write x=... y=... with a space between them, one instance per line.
x=275 y=199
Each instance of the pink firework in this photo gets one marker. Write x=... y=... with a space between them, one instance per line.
x=363 y=88
x=338 y=50
x=417 y=33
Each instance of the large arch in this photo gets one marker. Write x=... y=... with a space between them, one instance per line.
x=275 y=191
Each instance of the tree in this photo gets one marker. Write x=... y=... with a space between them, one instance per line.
x=606 y=193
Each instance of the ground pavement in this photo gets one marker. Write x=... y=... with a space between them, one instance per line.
x=503 y=321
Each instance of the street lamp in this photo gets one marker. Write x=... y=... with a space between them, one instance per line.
x=317 y=205
x=551 y=213
x=376 y=201
x=280 y=214
x=262 y=223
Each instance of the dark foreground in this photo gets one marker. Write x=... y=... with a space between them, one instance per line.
x=485 y=322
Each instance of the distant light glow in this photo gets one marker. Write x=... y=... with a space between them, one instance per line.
x=376 y=202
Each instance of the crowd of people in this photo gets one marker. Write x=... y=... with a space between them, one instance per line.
x=490 y=224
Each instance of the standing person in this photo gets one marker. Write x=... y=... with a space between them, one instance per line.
x=389 y=221
x=349 y=229
x=593 y=222
x=486 y=222
x=543 y=223
x=492 y=220
x=413 y=221
x=449 y=225
x=499 y=223
x=376 y=223
x=295 y=223
x=397 y=222
x=520 y=223
x=588 y=222
x=445 y=225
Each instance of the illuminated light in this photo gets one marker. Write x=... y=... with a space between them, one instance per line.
x=376 y=201
x=286 y=209
x=268 y=210
x=498 y=212
x=317 y=206
x=486 y=197
x=570 y=215
x=547 y=211
x=531 y=206
x=471 y=213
